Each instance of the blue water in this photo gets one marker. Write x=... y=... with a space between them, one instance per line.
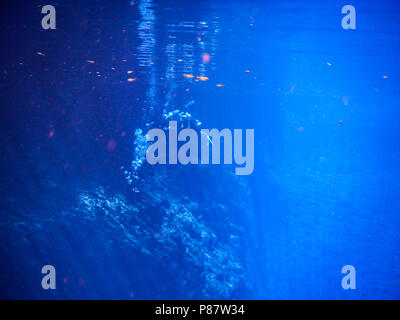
x=325 y=191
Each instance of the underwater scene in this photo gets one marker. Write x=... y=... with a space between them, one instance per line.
x=182 y=149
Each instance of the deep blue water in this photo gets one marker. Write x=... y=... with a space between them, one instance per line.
x=325 y=191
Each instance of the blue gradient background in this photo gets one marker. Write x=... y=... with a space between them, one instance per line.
x=323 y=194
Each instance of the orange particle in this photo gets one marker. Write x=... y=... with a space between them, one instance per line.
x=129 y=71
x=131 y=79
x=40 y=53
x=189 y=76
x=91 y=61
x=202 y=78
x=220 y=85
x=179 y=60
x=247 y=71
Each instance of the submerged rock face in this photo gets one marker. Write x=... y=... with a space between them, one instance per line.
x=162 y=231
x=183 y=232
x=186 y=225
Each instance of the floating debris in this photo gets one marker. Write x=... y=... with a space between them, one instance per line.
x=385 y=77
x=81 y=282
x=187 y=105
x=111 y=145
x=189 y=76
x=179 y=60
x=131 y=79
x=206 y=57
x=91 y=61
x=329 y=64
x=220 y=85
x=129 y=71
x=202 y=78
x=41 y=53
x=247 y=70
x=340 y=121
